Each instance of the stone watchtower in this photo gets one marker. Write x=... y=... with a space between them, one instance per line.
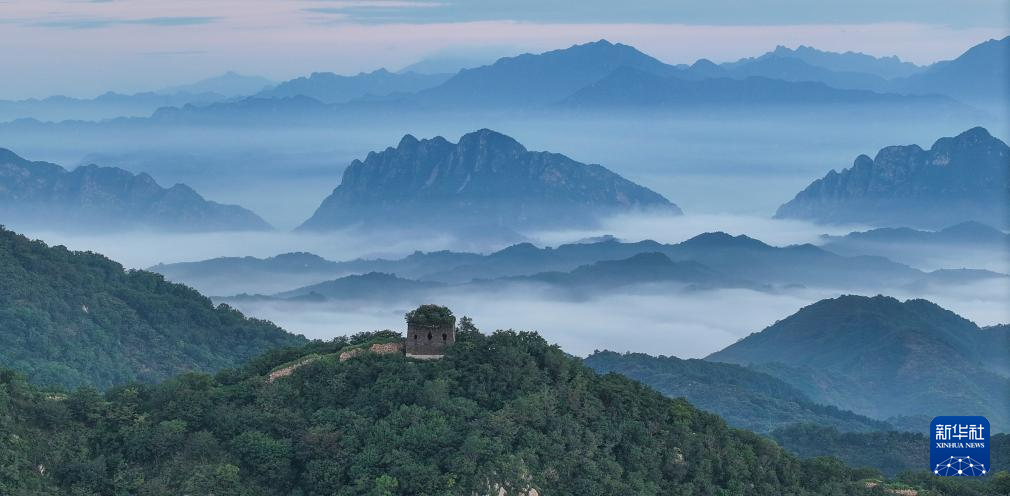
x=430 y=330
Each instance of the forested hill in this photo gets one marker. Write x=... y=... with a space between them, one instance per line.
x=745 y=397
x=77 y=318
x=500 y=414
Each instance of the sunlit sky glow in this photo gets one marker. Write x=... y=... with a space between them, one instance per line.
x=82 y=48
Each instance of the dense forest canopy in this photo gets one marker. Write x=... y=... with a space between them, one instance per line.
x=505 y=411
x=77 y=318
x=744 y=397
x=430 y=316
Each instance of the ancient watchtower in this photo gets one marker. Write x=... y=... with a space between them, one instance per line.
x=430 y=330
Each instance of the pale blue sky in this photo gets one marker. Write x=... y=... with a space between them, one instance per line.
x=82 y=48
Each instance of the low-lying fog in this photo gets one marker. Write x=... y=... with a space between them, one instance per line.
x=728 y=173
x=745 y=163
x=657 y=321
x=142 y=249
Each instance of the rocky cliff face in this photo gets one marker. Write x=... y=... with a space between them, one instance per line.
x=485 y=179
x=100 y=198
x=964 y=178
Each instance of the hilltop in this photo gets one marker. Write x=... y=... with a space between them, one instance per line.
x=500 y=414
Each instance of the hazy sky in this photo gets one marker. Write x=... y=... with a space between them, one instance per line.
x=82 y=47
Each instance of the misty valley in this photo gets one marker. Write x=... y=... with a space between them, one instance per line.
x=578 y=270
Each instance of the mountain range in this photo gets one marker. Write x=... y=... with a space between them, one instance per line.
x=882 y=357
x=95 y=199
x=964 y=178
x=616 y=74
x=637 y=89
x=105 y=106
x=79 y=319
x=710 y=260
x=968 y=241
x=606 y=75
x=978 y=76
x=230 y=84
x=969 y=233
x=848 y=62
x=328 y=87
x=486 y=179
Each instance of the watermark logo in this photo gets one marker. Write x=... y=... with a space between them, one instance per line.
x=959 y=446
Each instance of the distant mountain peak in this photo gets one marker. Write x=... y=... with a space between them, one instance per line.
x=722 y=239
x=486 y=139
x=972 y=136
x=703 y=64
x=650 y=258
x=485 y=179
x=95 y=199
x=960 y=178
x=407 y=140
x=849 y=62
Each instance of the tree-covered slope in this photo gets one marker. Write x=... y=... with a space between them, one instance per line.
x=892 y=452
x=744 y=397
x=77 y=318
x=500 y=414
x=882 y=357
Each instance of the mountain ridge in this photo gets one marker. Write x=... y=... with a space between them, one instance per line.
x=486 y=178
x=95 y=198
x=875 y=356
x=961 y=178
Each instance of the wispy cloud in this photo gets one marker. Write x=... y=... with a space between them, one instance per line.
x=104 y=22
x=172 y=53
x=371 y=10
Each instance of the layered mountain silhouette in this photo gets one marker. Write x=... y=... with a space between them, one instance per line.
x=964 y=178
x=328 y=87
x=604 y=74
x=979 y=76
x=600 y=75
x=847 y=62
x=93 y=198
x=963 y=233
x=882 y=357
x=632 y=88
x=370 y=286
x=642 y=268
x=711 y=260
x=791 y=68
x=597 y=74
x=229 y=84
x=539 y=79
x=486 y=178
x=968 y=241
x=105 y=106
